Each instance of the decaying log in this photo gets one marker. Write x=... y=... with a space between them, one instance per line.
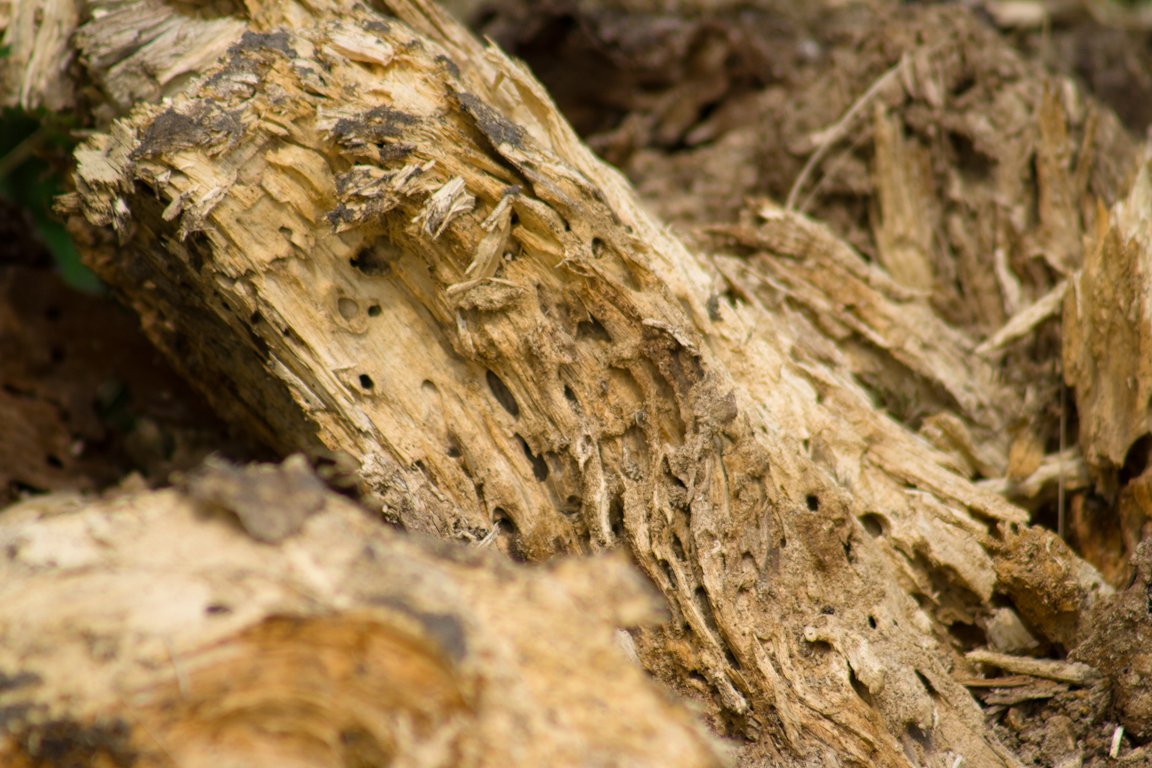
x=364 y=234
x=197 y=628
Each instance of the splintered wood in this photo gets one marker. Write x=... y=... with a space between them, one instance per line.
x=1108 y=334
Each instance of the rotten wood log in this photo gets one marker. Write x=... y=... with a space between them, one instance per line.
x=368 y=235
x=1108 y=335
x=256 y=618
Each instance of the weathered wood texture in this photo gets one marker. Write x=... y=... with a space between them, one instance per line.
x=151 y=629
x=1108 y=334
x=368 y=234
x=1108 y=359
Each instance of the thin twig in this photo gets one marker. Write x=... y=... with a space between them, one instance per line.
x=833 y=134
x=1060 y=486
x=832 y=168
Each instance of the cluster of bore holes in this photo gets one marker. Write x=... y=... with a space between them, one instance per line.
x=350 y=308
x=508 y=402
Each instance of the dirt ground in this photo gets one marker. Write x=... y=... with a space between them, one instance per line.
x=709 y=108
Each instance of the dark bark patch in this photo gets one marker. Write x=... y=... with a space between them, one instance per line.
x=68 y=744
x=499 y=129
x=266 y=41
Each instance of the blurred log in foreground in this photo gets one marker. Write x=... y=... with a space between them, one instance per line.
x=258 y=619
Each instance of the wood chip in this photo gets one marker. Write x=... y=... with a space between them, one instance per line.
x=1051 y=669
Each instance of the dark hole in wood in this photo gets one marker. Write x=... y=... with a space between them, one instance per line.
x=503 y=395
x=704 y=606
x=539 y=465
x=366 y=381
x=813 y=503
x=593 y=330
x=572 y=505
x=454 y=449
x=509 y=532
x=874 y=524
x=1136 y=461
x=671 y=574
x=859 y=687
x=970 y=161
x=921 y=737
x=963 y=85
x=927 y=684
x=616 y=514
